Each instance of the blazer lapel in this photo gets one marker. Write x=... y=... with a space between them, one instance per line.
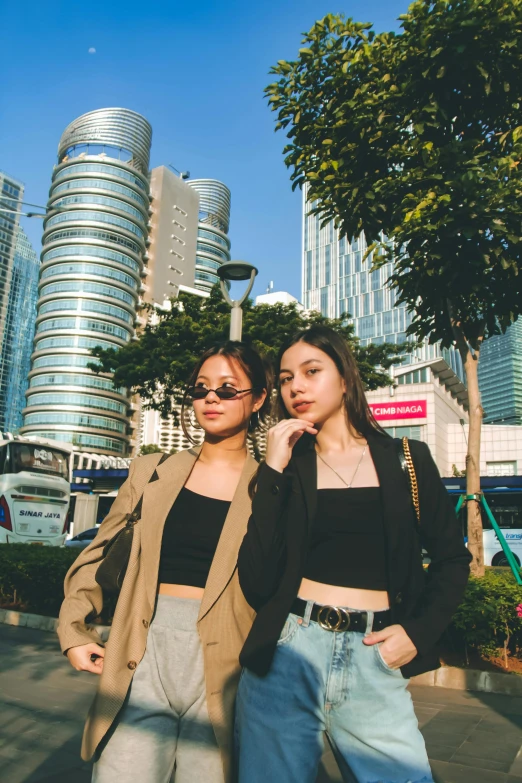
x=158 y=499
x=396 y=503
x=304 y=461
x=234 y=529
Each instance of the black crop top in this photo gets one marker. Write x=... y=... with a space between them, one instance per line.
x=347 y=544
x=190 y=537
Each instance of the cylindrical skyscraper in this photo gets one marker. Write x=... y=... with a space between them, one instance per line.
x=213 y=246
x=94 y=248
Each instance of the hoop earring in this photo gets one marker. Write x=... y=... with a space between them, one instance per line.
x=192 y=421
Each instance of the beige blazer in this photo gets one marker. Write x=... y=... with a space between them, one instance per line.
x=224 y=619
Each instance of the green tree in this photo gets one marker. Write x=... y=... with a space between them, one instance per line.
x=149 y=448
x=158 y=364
x=416 y=138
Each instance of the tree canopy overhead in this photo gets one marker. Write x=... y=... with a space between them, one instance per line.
x=158 y=364
x=418 y=136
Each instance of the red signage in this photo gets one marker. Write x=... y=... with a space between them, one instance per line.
x=411 y=409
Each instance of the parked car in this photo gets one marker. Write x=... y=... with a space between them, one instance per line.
x=83 y=539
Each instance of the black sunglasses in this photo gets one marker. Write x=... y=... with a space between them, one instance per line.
x=224 y=392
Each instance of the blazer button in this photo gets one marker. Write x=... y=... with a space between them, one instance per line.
x=275 y=489
x=145 y=623
x=398 y=598
x=131 y=665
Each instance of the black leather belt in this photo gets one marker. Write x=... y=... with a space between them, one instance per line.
x=335 y=618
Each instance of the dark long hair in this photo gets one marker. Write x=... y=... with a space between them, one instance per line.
x=254 y=367
x=336 y=347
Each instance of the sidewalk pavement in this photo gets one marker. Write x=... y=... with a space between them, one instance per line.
x=471 y=737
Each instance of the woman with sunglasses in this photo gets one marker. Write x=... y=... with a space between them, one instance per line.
x=332 y=564
x=169 y=671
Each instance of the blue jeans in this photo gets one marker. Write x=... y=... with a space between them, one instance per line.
x=320 y=682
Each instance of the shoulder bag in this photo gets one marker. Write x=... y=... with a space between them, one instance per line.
x=116 y=552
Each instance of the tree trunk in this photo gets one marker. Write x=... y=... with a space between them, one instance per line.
x=475 y=537
x=470 y=354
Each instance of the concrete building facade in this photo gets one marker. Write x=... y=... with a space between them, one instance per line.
x=430 y=403
x=173 y=236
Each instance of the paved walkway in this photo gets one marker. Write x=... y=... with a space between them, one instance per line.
x=471 y=737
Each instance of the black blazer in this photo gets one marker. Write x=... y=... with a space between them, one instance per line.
x=273 y=552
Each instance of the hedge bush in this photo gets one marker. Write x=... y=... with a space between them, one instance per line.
x=487 y=620
x=31 y=577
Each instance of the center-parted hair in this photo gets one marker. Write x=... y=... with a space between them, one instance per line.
x=253 y=365
x=336 y=347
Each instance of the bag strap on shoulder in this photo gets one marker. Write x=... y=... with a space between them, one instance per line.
x=406 y=461
x=135 y=515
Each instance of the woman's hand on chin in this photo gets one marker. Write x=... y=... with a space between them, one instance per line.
x=282 y=438
x=397 y=649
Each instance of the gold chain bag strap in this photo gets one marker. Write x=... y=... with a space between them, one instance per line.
x=406 y=461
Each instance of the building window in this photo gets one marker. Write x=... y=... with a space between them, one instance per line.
x=324 y=302
x=327 y=275
x=415 y=433
x=418 y=376
x=501 y=468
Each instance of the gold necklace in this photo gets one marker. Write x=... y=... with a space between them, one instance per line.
x=338 y=474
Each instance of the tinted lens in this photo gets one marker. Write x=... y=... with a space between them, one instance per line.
x=198 y=392
x=226 y=392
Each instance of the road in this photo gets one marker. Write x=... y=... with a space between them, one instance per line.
x=471 y=737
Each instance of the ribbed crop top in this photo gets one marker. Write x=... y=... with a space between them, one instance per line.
x=190 y=538
x=347 y=544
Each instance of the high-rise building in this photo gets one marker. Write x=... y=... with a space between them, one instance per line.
x=11 y=196
x=17 y=343
x=213 y=245
x=500 y=376
x=94 y=250
x=335 y=280
x=173 y=236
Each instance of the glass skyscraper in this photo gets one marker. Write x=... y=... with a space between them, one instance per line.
x=500 y=376
x=335 y=280
x=11 y=196
x=17 y=343
x=94 y=249
x=213 y=244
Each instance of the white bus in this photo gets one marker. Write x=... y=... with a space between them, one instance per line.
x=505 y=503
x=34 y=492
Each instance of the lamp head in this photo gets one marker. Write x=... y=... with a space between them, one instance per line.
x=236 y=270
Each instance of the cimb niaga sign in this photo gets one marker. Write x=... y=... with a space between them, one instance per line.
x=410 y=409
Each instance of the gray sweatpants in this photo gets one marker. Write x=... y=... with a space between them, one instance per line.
x=163 y=731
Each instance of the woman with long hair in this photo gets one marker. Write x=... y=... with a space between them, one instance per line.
x=169 y=672
x=332 y=564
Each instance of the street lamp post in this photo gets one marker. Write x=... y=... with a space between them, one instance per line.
x=234 y=271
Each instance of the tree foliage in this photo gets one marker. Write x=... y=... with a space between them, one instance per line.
x=158 y=364
x=419 y=136
x=149 y=448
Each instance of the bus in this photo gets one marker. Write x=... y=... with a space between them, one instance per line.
x=34 y=492
x=504 y=497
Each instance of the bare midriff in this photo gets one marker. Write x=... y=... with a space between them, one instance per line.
x=181 y=591
x=350 y=597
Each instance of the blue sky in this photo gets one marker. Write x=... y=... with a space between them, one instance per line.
x=196 y=71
